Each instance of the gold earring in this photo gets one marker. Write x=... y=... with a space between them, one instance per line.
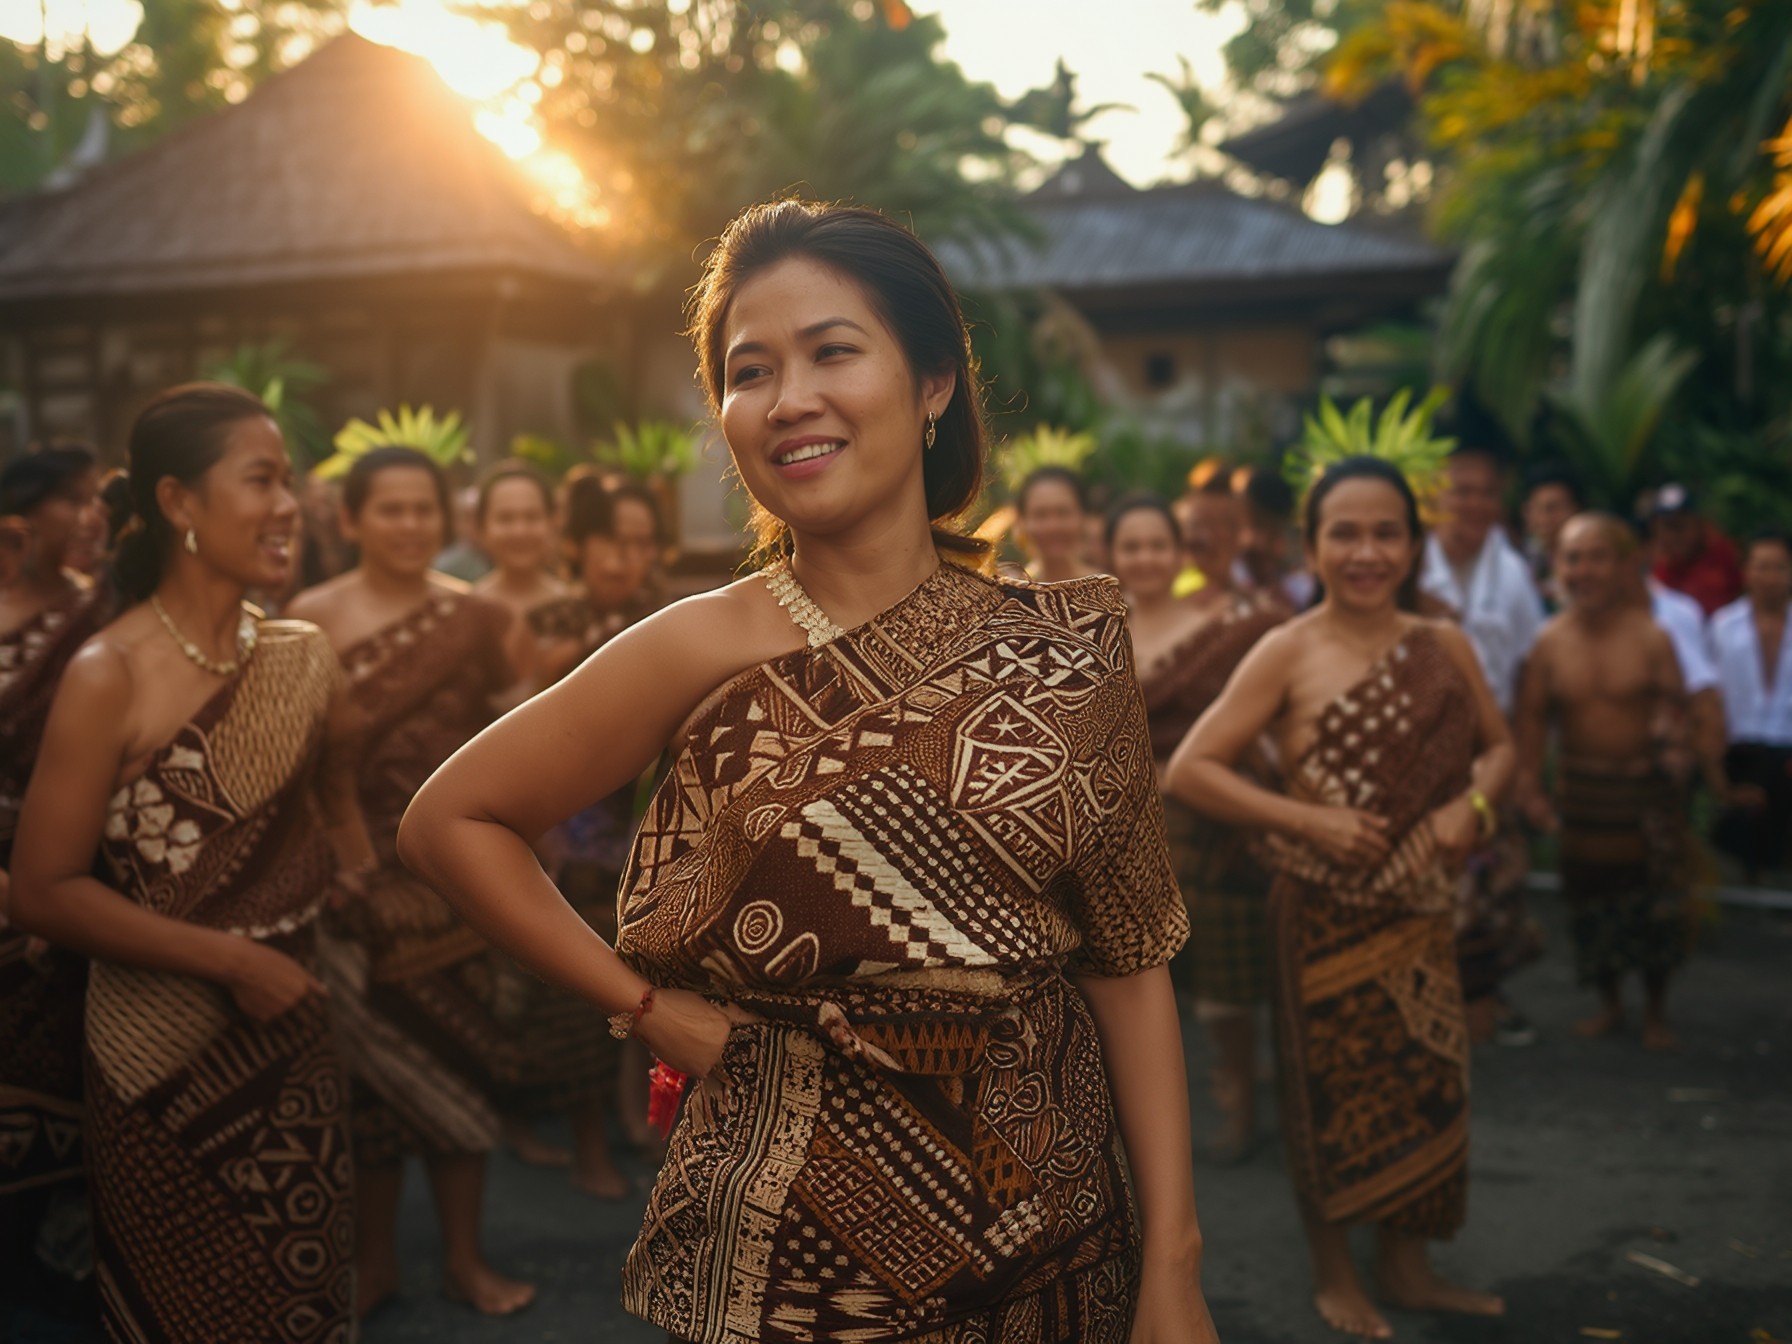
x=933 y=429
x=192 y=543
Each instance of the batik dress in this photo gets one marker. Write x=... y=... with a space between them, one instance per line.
x=41 y=989
x=1224 y=886
x=1372 y=1042
x=218 y=1146
x=893 y=847
x=414 y=991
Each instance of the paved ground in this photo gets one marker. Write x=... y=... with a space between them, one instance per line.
x=1584 y=1153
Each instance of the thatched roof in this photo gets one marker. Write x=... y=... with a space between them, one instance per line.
x=1106 y=245
x=356 y=164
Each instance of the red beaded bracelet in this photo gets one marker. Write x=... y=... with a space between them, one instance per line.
x=622 y=1025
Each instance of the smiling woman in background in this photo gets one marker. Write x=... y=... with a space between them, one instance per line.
x=184 y=748
x=901 y=900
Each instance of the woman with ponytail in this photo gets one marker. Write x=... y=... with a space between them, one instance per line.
x=901 y=899
x=186 y=746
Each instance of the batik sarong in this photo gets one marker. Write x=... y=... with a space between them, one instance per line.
x=1225 y=963
x=218 y=1147
x=415 y=992
x=1371 y=1039
x=41 y=988
x=1623 y=861
x=893 y=847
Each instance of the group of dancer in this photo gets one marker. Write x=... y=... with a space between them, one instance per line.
x=928 y=853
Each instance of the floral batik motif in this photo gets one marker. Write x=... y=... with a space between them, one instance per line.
x=892 y=848
x=218 y=1145
x=1371 y=1039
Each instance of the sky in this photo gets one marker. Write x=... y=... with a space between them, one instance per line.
x=1013 y=44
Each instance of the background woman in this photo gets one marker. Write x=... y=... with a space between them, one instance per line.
x=411 y=984
x=183 y=746
x=1051 y=512
x=55 y=528
x=887 y=834
x=1392 y=751
x=515 y=515
x=1186 y=649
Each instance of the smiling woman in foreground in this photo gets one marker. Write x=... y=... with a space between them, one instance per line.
x=903 y=891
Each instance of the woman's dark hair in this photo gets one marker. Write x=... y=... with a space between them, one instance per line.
x=1043 y=475
x=590 y=512
x=115 y=495
x=1266 y=494
x=358 y=484
x=1560 y=475
x=635 y=490
x=1146 y=502
x=511 y=469
x=1365 y=468
x=43 y=474
x=181 y=433
x=909 y=290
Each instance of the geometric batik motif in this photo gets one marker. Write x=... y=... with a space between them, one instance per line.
x=891 y=848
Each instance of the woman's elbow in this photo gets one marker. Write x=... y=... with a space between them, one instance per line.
x=416 y=831
x=22 y=903
x=1183 y=779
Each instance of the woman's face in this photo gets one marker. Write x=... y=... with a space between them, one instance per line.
x=1211 y=533
x=1365 y=548
x=819 y=406
x=1051 y=525
x=68 y=530
x=615 y=568
x=243 y=512
x=517 y=530
x=400 y=526
x=1144 y=554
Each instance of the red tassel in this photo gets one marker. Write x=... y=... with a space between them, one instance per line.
x=665 y=1088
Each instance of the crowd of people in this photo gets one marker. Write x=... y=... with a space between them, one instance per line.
x=898 y=859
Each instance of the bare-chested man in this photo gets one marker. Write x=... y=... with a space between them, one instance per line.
x=1604 y=676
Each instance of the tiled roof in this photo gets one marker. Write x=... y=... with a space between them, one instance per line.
x=358 y=163
x=1101 y=234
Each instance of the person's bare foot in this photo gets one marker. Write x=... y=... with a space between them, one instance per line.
x=374 y=1285
x=533 y=1150
x=1659 y=1036
x=1602 y=1023
x=1347 y=1309
x=486 y=1291
x=1425 y=1291
x=603 y=1183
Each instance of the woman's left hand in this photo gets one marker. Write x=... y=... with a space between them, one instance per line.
x=1456 y=827
x=1171 y=1309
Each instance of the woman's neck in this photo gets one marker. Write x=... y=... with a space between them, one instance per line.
x=1056 y=569
x=43 y=580
x=398 y=585
x=1369 y=627
x=206 y=607
x=1151 y=604
x=853 y=579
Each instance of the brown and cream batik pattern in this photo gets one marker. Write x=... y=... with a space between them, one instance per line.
x=1372 y=1042
x=218 y=1145
x=41 y=988
x=414 y=991
x=1624 y=844
x=891 y=847
x=1224 y=886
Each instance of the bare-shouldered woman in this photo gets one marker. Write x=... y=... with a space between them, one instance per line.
x=186 y=747
x=1392 y=751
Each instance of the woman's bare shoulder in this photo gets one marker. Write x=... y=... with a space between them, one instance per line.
x=323 y=602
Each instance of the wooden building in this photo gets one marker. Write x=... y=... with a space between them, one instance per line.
x=349 y=206
x=1209 y=310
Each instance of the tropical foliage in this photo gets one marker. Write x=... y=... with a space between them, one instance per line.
x=285 y=382
x=1400 y=436
x=443 y=439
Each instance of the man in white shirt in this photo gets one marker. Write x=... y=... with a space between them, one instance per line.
x=1471 y=568
x=1751 y=646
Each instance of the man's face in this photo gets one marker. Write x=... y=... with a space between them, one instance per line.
x=1590 y=566
x=1470 y=501
x=1547 y=510
x=1767 y=576
x=1677 y=536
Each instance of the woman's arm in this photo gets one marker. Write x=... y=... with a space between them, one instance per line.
x=54 y=894
x=468 y=832
x=1141 y=1039
x=1457 y=826
x=339 y=793
x=1201 y=772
